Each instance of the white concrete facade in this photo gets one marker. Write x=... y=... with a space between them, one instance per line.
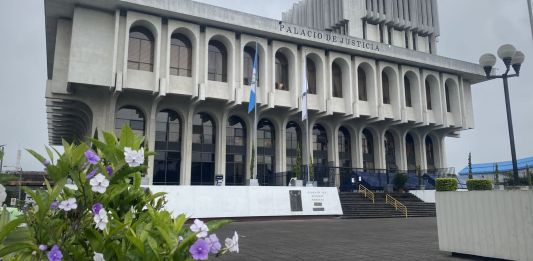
x=89 y=81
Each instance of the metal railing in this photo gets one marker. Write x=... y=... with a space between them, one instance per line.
x=367 y=193
x=396 y=204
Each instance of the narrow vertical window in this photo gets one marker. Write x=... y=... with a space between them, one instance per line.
x=385 y=88
x=336 y=80
x=428 y=96
x=311 y=76
x=407 y=85
x=361 y=82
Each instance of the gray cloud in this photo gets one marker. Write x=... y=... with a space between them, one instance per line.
x=469 y=28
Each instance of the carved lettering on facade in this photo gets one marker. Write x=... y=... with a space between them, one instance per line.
x=329 y=37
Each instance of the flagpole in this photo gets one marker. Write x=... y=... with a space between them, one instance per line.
x=255 y=112
x=308 y=155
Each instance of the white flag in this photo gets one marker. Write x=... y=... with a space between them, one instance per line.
x=304 y=91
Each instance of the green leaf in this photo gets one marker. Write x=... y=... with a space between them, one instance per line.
x=9 y=227
x=12 y=248
x=36 y=155
x=132 y=237
x=50 y=154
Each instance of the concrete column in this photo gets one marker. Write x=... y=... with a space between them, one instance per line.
x=186 y=148
x=220 y=147
x=150 y=138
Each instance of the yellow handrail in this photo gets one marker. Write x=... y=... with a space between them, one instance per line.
x=396 y=204
x=367 y=193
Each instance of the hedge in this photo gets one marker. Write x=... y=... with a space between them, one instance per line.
x=446 y=184
x=479 y=184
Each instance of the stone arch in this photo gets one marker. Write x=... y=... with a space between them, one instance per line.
x=319 y=70
x=291 y=60
x=344 y=67
x=370 y=82
x=452 y=97
x=394 y=95
x=229 y=49
x=262 y=60
x=414 y=87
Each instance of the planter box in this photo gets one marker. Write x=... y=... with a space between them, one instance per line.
x=496 y=224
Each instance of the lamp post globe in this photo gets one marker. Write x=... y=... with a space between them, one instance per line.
x=517 y=61
x=506 y=52
x=487 y=61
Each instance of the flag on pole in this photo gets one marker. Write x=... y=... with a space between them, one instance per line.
x=251 y=104
x=304 y=91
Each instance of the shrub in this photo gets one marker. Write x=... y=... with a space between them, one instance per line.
x=399 y=180
x=446 y=184
x=105 y=213
x=479 y=184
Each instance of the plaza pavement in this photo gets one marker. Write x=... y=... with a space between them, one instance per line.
x=337 y=239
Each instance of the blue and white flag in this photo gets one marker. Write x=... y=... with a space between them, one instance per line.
x=251 y=104
x=304 y=91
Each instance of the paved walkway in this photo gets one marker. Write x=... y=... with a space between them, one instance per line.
x=337 y=239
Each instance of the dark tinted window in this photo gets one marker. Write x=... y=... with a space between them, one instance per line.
x=282 y=72
x=217 y=62
x=141 y=49
x=180 y=56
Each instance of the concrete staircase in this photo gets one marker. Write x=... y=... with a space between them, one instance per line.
x=355 y=205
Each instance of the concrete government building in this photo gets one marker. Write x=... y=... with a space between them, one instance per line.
x=179 y=72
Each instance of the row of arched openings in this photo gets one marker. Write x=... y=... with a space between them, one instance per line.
x=168 y=140
x=141 y=57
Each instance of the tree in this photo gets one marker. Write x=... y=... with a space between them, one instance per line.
x=528 y=174
x=496 y=174
x=470 y=176
x=252 y=162
x=297 y=168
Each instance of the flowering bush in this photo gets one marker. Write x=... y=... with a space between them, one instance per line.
x=105 y=214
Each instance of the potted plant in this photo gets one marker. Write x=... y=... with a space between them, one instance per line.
x=399 y=182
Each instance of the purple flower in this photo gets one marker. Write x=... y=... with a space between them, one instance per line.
x=109 y=170
x=54 y=204
x=199 y=250
x=214 y=243
x=97 y=207
x=91 y=175
x=46 y=162
x=92 y=157
x=55 y=254
x=43 y=247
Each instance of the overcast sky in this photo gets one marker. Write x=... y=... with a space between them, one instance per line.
x=469 y=28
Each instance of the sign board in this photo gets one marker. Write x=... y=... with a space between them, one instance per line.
x=250 y=201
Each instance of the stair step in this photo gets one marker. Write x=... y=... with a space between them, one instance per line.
x=356 y=205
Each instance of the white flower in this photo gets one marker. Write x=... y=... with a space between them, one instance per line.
x=232 y=244
x=98 y=257
x=99 y=183
x=68 y=204
x=101 y=220
x=134 y=158
x=199 y=228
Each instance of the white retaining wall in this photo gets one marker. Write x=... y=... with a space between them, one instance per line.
x=249 y=201
x=496 y=224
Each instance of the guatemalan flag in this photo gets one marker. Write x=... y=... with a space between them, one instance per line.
x=251 y=104
x=304 y=92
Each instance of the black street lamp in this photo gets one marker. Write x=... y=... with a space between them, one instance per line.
x=513 y=58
